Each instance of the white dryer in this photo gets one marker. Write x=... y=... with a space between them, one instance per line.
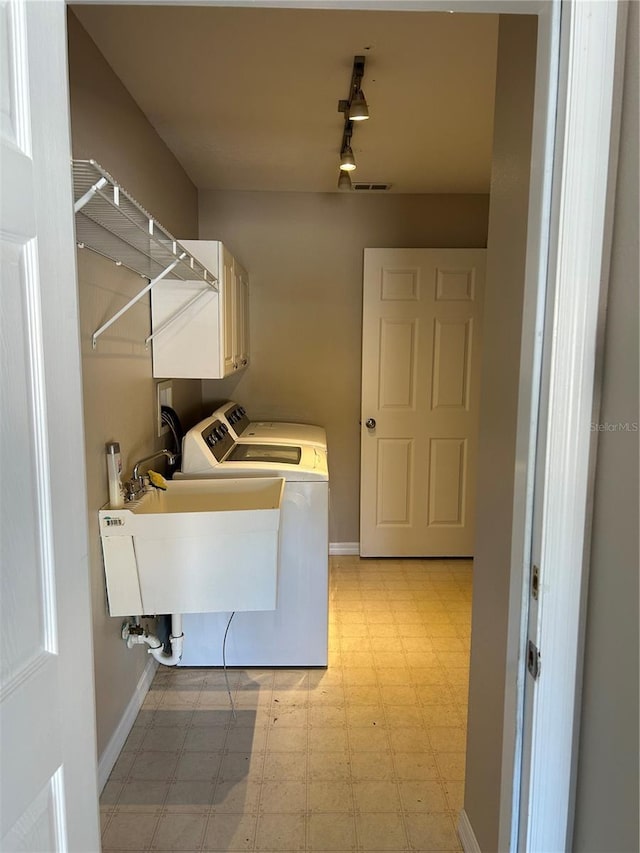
x=296 y=632
x=272 y=432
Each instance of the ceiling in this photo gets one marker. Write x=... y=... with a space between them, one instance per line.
x=247 y=98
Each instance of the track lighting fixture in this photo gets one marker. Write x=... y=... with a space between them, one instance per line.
x=347 y=160
x=354 y=109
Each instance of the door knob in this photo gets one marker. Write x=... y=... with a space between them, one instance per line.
x=370 y=423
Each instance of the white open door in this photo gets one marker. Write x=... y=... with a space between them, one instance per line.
x=421 y=340
x=48 y=790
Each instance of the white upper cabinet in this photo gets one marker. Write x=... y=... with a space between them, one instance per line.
x=199 y=333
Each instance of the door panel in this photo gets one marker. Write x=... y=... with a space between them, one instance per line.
x=455 y=285
x=394 y=481
x=447 y=481
x=397 y=360
x=422 y=316
x=399 y=284
x=451 y=364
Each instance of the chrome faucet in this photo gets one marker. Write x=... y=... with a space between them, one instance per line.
x=135 y=485
x=170 y=456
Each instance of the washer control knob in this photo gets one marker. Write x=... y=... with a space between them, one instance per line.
x=370 y=423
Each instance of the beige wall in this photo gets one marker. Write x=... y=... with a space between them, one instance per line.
x=498 y=414
x=607 y=785
x=304 y=255
x=119 y=392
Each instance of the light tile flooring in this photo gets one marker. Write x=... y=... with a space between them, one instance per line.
x=367 y=755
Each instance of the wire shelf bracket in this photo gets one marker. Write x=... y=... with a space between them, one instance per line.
x=175 y=316
x=111 y=223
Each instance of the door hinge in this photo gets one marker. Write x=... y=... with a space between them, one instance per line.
x=535 y=582
x=533 y=660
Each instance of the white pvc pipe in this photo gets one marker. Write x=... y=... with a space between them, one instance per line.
x=176 y=639
x=156 y=649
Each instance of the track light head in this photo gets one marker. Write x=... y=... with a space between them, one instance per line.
x=347 y=160
x=358 y=109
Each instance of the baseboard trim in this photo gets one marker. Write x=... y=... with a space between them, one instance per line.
x=467 y=835
x=113 y=749
x=344 y=549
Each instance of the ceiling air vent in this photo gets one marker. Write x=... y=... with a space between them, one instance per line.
x=371 y=187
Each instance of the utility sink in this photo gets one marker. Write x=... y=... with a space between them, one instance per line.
x=200 y=546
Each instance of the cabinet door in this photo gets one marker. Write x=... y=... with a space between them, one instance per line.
x=211 y=339
x=242 y=316
x=192 y=344
x=228 y=289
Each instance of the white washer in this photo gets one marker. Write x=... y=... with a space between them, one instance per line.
x=271 y=432
x=296 y=632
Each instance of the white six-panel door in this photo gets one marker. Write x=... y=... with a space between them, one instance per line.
x=48 y=788
x=422 y=333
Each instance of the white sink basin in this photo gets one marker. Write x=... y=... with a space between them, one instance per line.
x=198 y=496
x=200 y=546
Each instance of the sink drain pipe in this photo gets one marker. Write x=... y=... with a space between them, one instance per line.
x=136 y=635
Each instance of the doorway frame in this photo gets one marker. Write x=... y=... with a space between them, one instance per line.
x=547 y=245
x=591 y=66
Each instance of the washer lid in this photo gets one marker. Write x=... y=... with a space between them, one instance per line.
x=279 y=454
x=279 y=460
x=286 y=432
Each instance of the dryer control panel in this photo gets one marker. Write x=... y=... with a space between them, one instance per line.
x=237 y=417
x=218 y=439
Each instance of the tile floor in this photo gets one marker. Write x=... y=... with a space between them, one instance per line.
x=367 y=755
